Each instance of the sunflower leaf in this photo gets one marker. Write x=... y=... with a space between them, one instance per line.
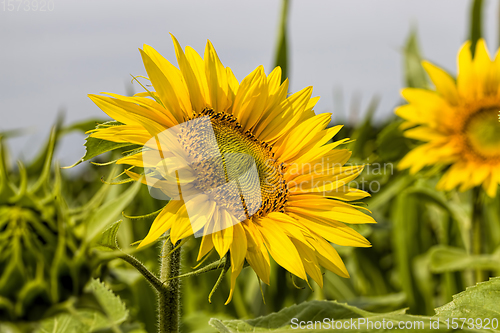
x=61 y=324
x=83 y=126
x=450 y=259
x=108 y=240
x=479 y=301
x=333 y=313
x=110 y=212
x=112 y=305
x=95 y=147
x=415 y=76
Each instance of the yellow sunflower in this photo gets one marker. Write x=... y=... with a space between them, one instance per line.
x=459 y=122
x=302 y=192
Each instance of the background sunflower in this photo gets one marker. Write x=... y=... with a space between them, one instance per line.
x=459 y=122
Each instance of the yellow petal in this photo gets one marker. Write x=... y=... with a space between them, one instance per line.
x=333 y=231
x=154 y=110
x=443 y=82
x=329 y=258
x=223 y=237
x=301 y=135
x=257 y=255
x=238 y=250
x=174 y=78
x=466 y=76
x=281 y=119
x=163 y=222
x=205 y=246
x=310 y=262
x=197 y=100
x=282 y=249
x=337 y=212
x=216 y=79
x=198 y=66
x=250 y=101
x=164 y=89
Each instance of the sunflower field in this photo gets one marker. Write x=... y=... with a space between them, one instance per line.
x=210 y=203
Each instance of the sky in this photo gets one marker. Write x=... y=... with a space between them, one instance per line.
x=51 y=60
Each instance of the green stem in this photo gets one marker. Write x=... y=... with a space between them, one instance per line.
x=139 y=266
x=476 y=23
x=168 y=295
x=208 y=268
x=476 y=236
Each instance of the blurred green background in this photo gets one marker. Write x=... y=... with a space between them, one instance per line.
x=420 y=256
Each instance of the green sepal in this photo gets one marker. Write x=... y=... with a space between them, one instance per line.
x=95 y=147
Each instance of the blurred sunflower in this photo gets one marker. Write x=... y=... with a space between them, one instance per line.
x=459 y=122
x=301 y=210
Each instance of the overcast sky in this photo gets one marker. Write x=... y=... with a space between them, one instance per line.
x=51 y=60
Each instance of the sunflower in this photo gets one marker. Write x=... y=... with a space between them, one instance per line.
x=294 y=203
x=458 y=121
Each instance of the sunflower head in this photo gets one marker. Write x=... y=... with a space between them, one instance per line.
x=458 y=122
x=249 y=169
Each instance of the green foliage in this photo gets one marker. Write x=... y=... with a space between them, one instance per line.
x=109 y=240
x=56 y=232
x=95 y=147
x=281 y=58
x=46 y=255
x=415 y=75
x=113 y=307
x=324 y=312
x=106 y=214
x=109 y=317
x=39 y=263
x=480 y=301
x=451 y=259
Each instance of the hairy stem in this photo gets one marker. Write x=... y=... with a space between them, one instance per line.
x=476 y=236
x=168 y=295
x=139 y=266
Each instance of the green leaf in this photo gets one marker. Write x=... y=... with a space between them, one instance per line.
x=6 y=304
x=95 y=147
x=62 y=323
x=108 y=240
x=405 y=230
x=38 y=163
x=325 y=311
x=110 y=211
x=83 y=126
x=49 y=152
x=450 y=259
x=112 y=305
x=391 y=144
x=197 y=322
x=455 y=209
x=389 y=192
x=281 y=58
x=113 y=313
x=30 y=290
x=415 y=76
x=6 y=190
x=362 y=134
x=479 y=301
